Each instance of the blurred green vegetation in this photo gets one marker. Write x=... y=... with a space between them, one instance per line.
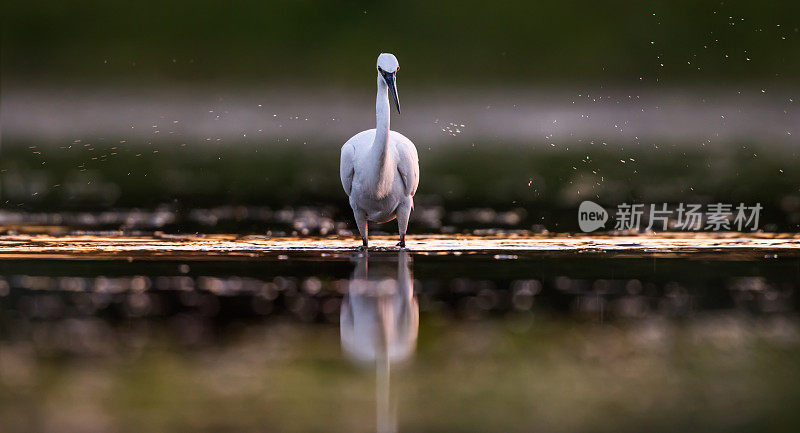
x=714 y=374
x=454 y=42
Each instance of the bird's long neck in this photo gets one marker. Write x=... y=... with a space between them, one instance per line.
x=381 y=143
x=380 y=147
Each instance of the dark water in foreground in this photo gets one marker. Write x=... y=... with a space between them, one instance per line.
x=398 y=341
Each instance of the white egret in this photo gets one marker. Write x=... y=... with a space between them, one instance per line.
x=380 y=168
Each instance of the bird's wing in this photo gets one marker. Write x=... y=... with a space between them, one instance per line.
x=408 y=164
x=347 y=167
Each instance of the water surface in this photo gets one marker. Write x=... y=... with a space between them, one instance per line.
x=448 y=340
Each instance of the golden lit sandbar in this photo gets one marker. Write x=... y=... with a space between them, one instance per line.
x=505 y=246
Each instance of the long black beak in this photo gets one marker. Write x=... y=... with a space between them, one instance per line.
x=389 y=77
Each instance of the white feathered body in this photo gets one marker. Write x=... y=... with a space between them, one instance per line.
x=379 y=168
x=378 y=184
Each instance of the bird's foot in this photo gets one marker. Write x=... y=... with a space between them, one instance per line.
x=402 y=243
x=365 y=245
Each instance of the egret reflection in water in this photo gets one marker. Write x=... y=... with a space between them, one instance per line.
x=379 y=322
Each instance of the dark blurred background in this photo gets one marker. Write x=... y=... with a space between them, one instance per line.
x=521 y=107
x=448 y=42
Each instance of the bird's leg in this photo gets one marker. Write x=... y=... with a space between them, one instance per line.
x=361 y=221
x=403 y=213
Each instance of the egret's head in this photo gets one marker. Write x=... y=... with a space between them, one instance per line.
x=387 y=62
x=387 y=68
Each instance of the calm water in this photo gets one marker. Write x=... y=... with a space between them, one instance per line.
x=395 y=341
